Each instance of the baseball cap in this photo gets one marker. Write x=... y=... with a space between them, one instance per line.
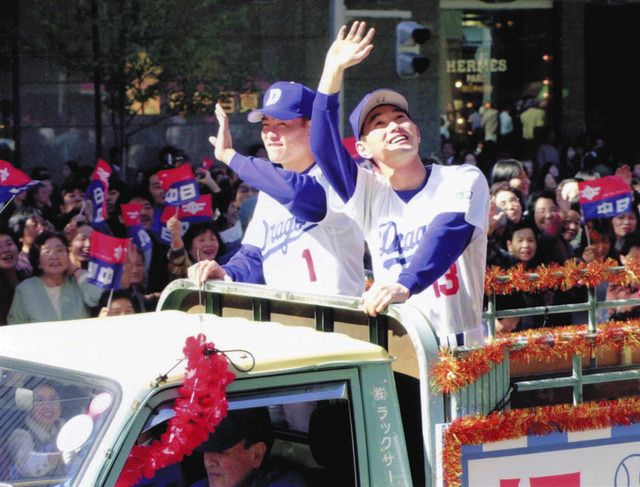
x=285 y=100
x=371 y=101
x=40 y=173
x=253 y=425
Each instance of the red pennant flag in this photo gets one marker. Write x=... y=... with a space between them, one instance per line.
x=97 y=190
x=605 y=197
x=179 y=184
x=196 y=211
x=13 y=181
x=107 y=256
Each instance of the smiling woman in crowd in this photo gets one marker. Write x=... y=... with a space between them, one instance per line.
x=57 y=291
x=522 y=244
x=79 y=246
x=622 y=225
x=201 y=241
x=508 y=200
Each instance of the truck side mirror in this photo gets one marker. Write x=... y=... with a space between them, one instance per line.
x=23 y=399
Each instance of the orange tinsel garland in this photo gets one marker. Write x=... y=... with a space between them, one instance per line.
x=452 y=373
x=555 y=276
x=476 y=430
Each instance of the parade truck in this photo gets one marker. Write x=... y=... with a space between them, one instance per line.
x=352 y=400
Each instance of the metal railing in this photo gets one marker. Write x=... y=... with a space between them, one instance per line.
x=578 y=377
x=214 y=293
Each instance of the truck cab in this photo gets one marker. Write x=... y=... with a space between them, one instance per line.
x=108 y=386
x=351 y=400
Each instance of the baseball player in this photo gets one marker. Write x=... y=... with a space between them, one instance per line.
x=289 y=244
x=425 y=226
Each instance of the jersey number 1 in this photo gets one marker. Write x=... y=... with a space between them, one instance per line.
x=448 y=284
x=306 y=255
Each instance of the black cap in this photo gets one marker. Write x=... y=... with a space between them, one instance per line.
x=251 y=425
x=40 y=173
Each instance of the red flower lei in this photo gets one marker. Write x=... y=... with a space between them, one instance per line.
x=199 y=409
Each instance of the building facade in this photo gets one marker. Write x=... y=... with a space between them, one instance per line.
x=570 y=57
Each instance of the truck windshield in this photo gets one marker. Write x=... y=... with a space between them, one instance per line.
x=307 y=433
x=48 y=425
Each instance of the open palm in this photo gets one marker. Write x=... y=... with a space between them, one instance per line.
x=351 y=47
x=223 y=144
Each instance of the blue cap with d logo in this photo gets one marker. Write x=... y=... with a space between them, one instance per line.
x=285 y=100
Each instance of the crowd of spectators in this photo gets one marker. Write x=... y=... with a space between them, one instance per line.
x=45 y=236
x=534 y=219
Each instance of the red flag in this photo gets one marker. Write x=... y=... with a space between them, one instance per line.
x=179 y=184
x=605 y=197
x=107 y=256
x=131 y=213
x=102 y=172
x=195 y=211
x=112 y=250
x=13 y=181
x=131 y=216
x=97 y=190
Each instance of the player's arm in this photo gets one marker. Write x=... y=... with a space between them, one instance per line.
x=444 y=241
x=340 y=170
x=301 y=194
x=350 y=48
x=244 y=266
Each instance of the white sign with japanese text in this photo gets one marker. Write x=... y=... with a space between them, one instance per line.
x=609 y=456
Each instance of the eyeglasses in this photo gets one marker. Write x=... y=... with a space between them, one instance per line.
x=51 y=251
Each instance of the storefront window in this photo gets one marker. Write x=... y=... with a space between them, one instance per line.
x=494 y=60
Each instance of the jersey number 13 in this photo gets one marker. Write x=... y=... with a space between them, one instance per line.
x=448 y=284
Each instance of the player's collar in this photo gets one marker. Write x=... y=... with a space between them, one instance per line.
x=406 y=195
x=308 y=170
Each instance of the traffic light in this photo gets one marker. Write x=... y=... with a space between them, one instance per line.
x=409 y=36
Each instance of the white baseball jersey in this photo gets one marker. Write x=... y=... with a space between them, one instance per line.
x=394 y=229
x=322 y=258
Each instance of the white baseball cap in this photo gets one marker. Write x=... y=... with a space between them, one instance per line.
x=371 y=101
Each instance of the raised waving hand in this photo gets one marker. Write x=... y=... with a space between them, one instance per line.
x=351 y=47
x=223 y=143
